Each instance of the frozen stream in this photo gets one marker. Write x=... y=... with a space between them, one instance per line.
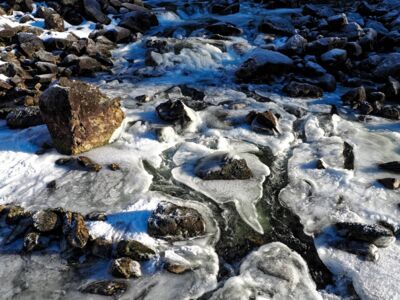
x=286 y=193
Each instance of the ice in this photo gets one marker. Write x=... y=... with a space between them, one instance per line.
x=272 y=272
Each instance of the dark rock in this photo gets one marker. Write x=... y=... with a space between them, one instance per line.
x=366 y=108
x=374 y=234
x=348 y=155
x=75 y=230
x=277 y=25
x=23 y=225
x=352 y=31
x=96 y=216
x=34 y=241
x=79 y=116
x=106 y=288
x=325 y=44
x=177 y=268
x=393 y=166
x=354 y=49
x=390 y=183
x=52 y=185
x=392 y=88
x=337 y=21
x=294 y=45
x=140 y=20
x=390 y=112
x=46 y=221
x=388 y=66
x=125 y=267
x=54 y=22
x=334 y=57
x=265 y=122
x=177 y=222
x=29 y=43
x=118 y=34
x=362 y=249
x=93 y=11
x=225 y=7
x=321 y=164
x=15 y=214
x=101 y=247
x=355 y=97
x=114 y=167
x=24 y=117
x=89 y=164
x=173 y=112
x=88 y=65
x=299 y=90
x=225 y=29
x=135 y=250
x=222 y=166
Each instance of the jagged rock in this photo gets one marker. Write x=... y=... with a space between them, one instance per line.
x=277 y=25
x=75 y=230
x=262 y=65
x=388 y=66
x=118 y=34
x=348 y=155
x=101 y=247
x=135 y=250
x=321 y=164
x=265 y=122
x=29 y=43
x=375 y=234
x=139 y=20
x=223 y=166
x=294 y=45
x=174 y=112
x=225 y=7
x=337 y=21
x=34 y=241
x=170 y=220
x=46 y=221
x=96 y=216
x=24 y=117
x=390 y=112
x=393 y=166
x=125 y=267
x=390 y=183
x=54 y=22
x=355 y=97
x=93 y=11
x=106 y=288
x=226 y=29
x=89 y=164
x=78 y=116
x=15 y=214
x=298 y=90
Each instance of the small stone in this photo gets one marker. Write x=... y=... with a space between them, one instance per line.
x=15 y=214
x=106 y=288
x=75 y=230
x=114 y=167
x=173 y=112
x=101 y=248
x=64 y=161
x=89 y=164
x=125 y=267
x=34 y=241
x=134 y=250
x=321 y=164
x=348 y=154
x=52 y=185
x=177 y=268
x=393 y=166
x=300 y=90
x=390 y=183
x=337 y=21
x=46 y=221
x=96 y=216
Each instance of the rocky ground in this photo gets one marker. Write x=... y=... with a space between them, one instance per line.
x=199 y=149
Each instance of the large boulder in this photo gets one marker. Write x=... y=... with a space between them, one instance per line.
x=139 y=20
x=93 y=11
x=79 y=116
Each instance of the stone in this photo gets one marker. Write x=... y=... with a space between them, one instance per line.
x=389 y=66
x=125 y=267
x=24 y=117
x=79 y=116
x=299 y=90
x=46 y=221
x=224 y=7
x=114 y=167
x=141 y=20
x=375 y=234
x=337 y=21
x=169 y=220
x=106 y=288
x=35 y=241
x=134 y=250
x=75 y=230
x=348 y=155
x=393 y=166
x=390 y=183
x=29 y=43
x=118 y=34
x=334 y=56
x=294 y=45
x=265 y=122
x=93 y=11
x=392 y=88
x=23 y=225
x=54 y=22
x=15 y=214
x=174 y=111
x=89 y=164
x=325 y=44
x=96 y=216
x=355 y=97
x=225 y=29
x=321 y=165
x=223 y=166
x=277 y=25
x=390 y=112
x=101 y=247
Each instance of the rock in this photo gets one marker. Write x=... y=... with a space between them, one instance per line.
x=78 y=116
x=355 y=97
x=24 y=117
x=15 y=214
x=54 y=22
x=352 y=31
x=254 y=69
x=96 y=216
x=334 y=56
x=88 y=65
x=321 y=165
x=390 y=112
x=337 y=21
x=52 y=185
x=392 y=88
x=34 y=241
x=365 y=108
x=294 y=45
x=46 y=221
x=348 y=155
x=23 y=225
x=92 y=9
x=29 y=43
x=89 y=164
x=225 y=7
x=125 y=267
x=375 y=234
x=367 y=251
x=390 y=183
x=114 y=167
x=222 y=166
x=299 y=90
x=389 y=66
x=134 y=250
x=118 y=34
x=277 y=25
x=101 y=247
x=265 y=122
x=325 y=44
x=174 y=112
x=393 y=166
x=21 y=5
x=354 y=49
x=106 y=288
x=177 y=268
x=178 y=222
x=225 y=29
x=140 y=20
x=75 y=230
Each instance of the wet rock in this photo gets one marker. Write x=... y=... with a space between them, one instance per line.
x=299 y=90
x=101 y=247
x=75 y=230
x=23 y=225
x=24 y=117
x=114 y=167
x=355 y=97
x=325 y=44
x=64 y=161
x=277 y=25
x=134 y=250
x=365 y=250
x=321 y=165
x=337 y=21
x=54 y=22
x=15 y=214
x=139 y=20
x=106 y=288
x=334 y=56
x=393 y=166
x=89 y=164
x=366 y=108
x=173 y=112
x=374 y=234
x=265 y=122
x=294 y=45
x=254 y=69
x=78 y=116
x=225 y=7
x=96 y=216
x=222 y=166
x=118 y=34
x=93 y=11
x=390 y=112
x=225 y=29
x=348 y=155
x=392 y=88
x=52 y=185
x=46 y=221
x=29 y=43
x=177 y=268
x=389 y=66
x=125 y=267
x=390 y=183
x=170 y=220
x=34 y=241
